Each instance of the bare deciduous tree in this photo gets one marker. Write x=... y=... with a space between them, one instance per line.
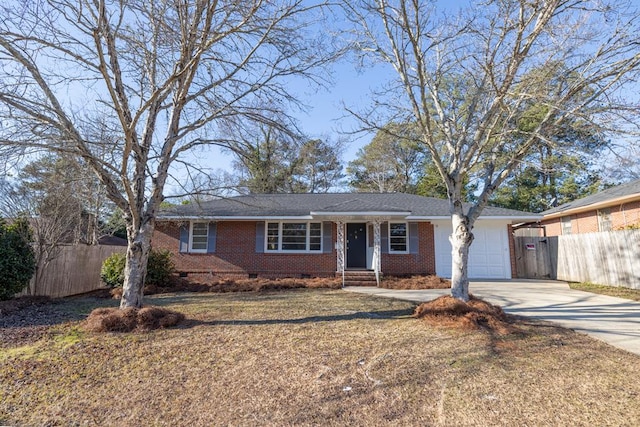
x=159 y=76
x=464 y=79
x=64 y=205
x=53 y=220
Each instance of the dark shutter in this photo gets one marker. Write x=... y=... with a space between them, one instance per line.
x=327 y=237
x=211 y=240
x=414 y=238
x=184 y=238
x=259 y=237
x=384 y=238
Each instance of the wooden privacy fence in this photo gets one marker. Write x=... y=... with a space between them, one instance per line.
x=75 y=271
x=607 y=258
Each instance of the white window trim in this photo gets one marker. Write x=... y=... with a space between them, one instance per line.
x=565 y=225
x=604 y=219
x=286 y=251
x=406 y=225
x=197 y=251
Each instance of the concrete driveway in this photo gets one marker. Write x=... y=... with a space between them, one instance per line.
x=613 y=320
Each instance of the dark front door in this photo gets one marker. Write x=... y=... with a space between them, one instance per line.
x=356 y=245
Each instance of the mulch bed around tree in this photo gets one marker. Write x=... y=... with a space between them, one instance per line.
x=448 y=311
x=131 y=319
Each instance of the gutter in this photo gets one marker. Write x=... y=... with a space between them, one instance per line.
x=317 y=215
x=231 y=218
x=481 y=218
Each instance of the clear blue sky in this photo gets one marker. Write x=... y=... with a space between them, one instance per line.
x=326 y=116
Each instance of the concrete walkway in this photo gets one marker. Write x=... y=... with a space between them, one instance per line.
x=613 y=320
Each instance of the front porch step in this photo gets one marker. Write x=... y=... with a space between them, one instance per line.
x=360 y=278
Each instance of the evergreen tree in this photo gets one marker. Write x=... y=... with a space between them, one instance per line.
x=17 y=260
x=392 y=161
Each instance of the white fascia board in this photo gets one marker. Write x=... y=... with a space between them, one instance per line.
x=363 y=213
x=314 y=215
x=502 y=218
x=427 y=218
x=234 y=218
x=513 y=218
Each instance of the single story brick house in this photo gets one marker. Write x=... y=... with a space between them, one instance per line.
x=612 y=209
x=323 y=235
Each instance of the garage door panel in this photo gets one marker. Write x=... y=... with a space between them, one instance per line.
x=488 y=255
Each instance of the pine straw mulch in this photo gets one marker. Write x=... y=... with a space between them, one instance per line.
x=131 y=319
x=19 y=303
x=415 y=282
x=450 y=312
x=27 y=319
x=223 y=285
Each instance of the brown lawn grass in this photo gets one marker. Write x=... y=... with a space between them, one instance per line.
x=311 y=357
x=613 y=291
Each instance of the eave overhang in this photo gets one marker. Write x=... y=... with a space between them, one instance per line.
x=594 y=206
x=342 y=216
x=359 y=214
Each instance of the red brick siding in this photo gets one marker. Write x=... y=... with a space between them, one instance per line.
x=587 y=222
x=236 y=254
x=424 y=262
x=552 y=227
x=625 y=215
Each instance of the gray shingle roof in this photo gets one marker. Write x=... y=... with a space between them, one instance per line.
x=293 y=205
x=629 y=189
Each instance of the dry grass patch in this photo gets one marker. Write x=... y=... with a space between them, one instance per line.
x=131 y=319
x=612 y=291
x=314 y=357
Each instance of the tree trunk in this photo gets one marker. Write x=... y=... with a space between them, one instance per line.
x=135 y=270
x=461 y=239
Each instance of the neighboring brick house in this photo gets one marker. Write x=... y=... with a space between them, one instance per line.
x=612 y=209
x=315 y=235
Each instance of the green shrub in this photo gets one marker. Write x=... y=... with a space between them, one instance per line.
x=159 y=269
x=112 y=271
x=17 y=259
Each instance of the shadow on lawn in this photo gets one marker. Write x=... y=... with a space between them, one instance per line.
x=55 y=312
x=374 y=315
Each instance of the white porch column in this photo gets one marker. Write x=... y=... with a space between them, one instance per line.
x=340 y=248
x=376 y=250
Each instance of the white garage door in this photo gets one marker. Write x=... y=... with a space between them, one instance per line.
x=489 y=256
